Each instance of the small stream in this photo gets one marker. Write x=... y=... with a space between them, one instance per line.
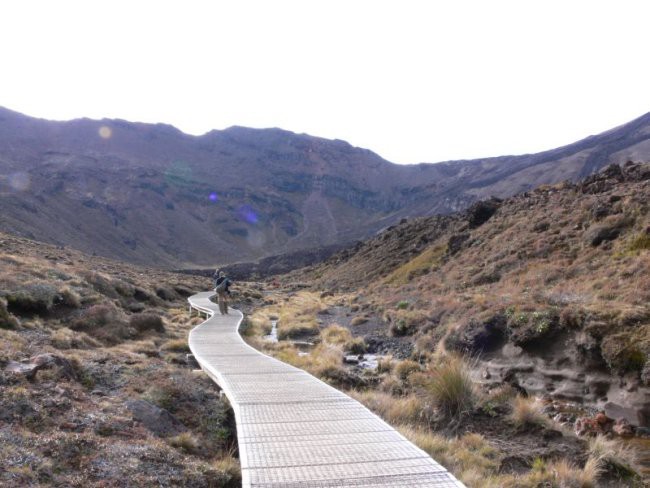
x=365 y=361
x=273 y=336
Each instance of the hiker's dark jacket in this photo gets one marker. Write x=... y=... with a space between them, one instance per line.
x=228 y=283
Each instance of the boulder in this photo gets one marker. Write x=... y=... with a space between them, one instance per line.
x=156 y=419
x=456 y=242
x=481 y=212
x=41 y=361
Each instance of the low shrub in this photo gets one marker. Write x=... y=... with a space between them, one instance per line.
x=104 y=322
x=69 y=298
x=33 y=298
x=101 y=284
x=96 y=317
x=167 y=294
x=402 y=305
x=7 y=320
x=143 y=322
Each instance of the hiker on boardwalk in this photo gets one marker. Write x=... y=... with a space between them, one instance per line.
x=222 y=287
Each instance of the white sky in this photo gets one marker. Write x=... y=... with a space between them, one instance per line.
x=411 y=80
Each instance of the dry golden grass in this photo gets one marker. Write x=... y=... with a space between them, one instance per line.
x=450 y=387
x=470 y=457
x=335 y=334
x=423 y=263
x=176 y=345
x=65 y=338
x=231 y=466
x=186 y=442
x=612 y=455
x=408 y=409
x=527 y=412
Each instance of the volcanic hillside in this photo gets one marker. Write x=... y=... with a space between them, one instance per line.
x=551 y=288
x=150 y=194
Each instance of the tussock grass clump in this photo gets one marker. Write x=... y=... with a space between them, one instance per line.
x=405 y=368
x=231 y=467
x=335 y=334
x=69 y=297
x=405 y=322
x=612 y=456
x=186 y=442
x=639 y=243
x=407 y=409
x=358 y=320
x=470 y=457
x=176 y=345
x=450 y=387
x=356 y=346
x=340 y=336
x=527 y=412
x=65 y=338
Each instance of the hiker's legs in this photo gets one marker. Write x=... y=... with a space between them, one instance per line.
x=225 y=303
x=221 y=298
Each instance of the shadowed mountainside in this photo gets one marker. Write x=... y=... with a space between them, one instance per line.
x=150 y=194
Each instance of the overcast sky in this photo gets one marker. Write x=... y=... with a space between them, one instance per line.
x=411 y=80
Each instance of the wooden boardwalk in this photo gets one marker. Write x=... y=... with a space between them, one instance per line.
x=296 y=431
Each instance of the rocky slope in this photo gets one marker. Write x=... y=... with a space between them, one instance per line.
x=151 y=194
x=95 y=388
x=549 y=288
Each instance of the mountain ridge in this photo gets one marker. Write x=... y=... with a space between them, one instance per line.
x=151 y=194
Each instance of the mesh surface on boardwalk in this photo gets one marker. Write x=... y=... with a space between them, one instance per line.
x=296 y=431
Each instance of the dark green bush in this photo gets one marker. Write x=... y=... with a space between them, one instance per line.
x=147 y=321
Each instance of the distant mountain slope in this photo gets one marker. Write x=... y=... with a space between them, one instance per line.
x=150 y=194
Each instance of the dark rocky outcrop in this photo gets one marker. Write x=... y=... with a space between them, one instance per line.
x=156 y=419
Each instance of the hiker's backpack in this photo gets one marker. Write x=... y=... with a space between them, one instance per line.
x=221 y=287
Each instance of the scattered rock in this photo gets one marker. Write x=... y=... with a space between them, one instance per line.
x=542 y=226
x=623 y=428
x=42 y=361
x=514 y=465
x=456 y=242
x=609 y=230
x=585 y=426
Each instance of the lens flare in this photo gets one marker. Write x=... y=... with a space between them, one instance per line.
x=105 y=132
x=19 y=181
x=213 y=197
x=247 y=214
